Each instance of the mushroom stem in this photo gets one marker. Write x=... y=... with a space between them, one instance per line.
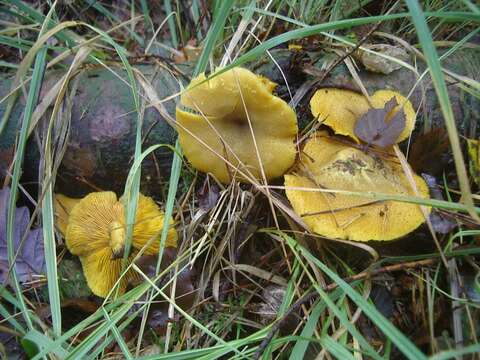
x=117 y=239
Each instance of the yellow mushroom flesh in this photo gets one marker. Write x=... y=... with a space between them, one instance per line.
x=329 y=164
x=234 y=115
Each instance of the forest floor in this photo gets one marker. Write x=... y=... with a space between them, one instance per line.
x=88 y=101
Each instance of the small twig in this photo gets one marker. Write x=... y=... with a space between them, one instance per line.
x=313 y=294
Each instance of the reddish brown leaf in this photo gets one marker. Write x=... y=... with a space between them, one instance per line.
x=373 y=128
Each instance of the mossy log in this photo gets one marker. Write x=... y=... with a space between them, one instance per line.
x=464 y=62
x=101 y=141
x=103 y=119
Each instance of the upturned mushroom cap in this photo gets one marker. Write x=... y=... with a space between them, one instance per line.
x=340 y=109
x=328 y=163
x=217 y=117
x=96 y=233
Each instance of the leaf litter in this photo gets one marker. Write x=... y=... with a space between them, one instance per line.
x=378 y=127
x=440 y=222
x=30 y=259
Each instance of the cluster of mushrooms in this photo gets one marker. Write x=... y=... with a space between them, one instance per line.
x=233 y=127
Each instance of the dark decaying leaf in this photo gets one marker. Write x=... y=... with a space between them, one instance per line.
x=208 y=195
x=30 y=259
x=427 y=146
x=184 y=297
x=383 y=300
x=184 y=290
x=268 y=309
x=374 y=129
x=440 y=223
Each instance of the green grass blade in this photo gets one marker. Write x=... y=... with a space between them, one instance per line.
x=345 y=321
x=172 y=191
x=94 y=355
x=187 y=316
x=146 y=16
x=10 y=318
x=298 y=351
x=114 y=19
x=214 y=352
x=216 y=30
x=196 y=18
x=86 y=345
x=138 y=162
x=334 y=348
x=473 y=8
x=430 y=52
x=6 y=64
x=36 y=16
x=26 y=63
x=131 y=193
x=48 y=212
x=397 y=337
x=456 y=353
x=32 y=99
x=91 y=341
x=171 y=22
x=212 y=36
x=336 y=25
x=290 y=292
x=42 y=341
x=116 y=333
x=51 y=257
x=439 y=204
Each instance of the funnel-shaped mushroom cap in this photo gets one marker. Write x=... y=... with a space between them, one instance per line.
x=96 y=233
x=223 y=108
x=340 y=109
x=328 y=163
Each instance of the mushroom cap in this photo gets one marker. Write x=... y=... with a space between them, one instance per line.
x=96 y=225
x=340 y=109
x=221 y=122
x=63 y=207
x=330 y=164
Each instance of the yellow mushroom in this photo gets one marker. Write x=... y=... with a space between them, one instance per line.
x=96 y=233
x=217 y=125
x=340 y=109
x=330 y=163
